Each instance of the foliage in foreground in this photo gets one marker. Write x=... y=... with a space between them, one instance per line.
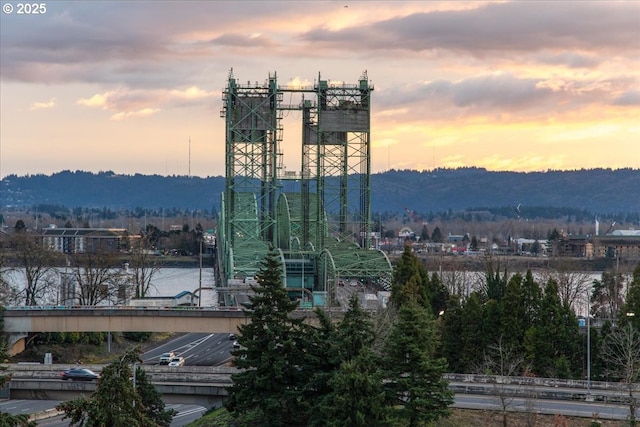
x=335 y=375
x=116 y=403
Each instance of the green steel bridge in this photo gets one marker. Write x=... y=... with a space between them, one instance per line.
x=318 y=218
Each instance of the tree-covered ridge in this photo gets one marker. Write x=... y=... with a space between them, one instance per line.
x=594 y=191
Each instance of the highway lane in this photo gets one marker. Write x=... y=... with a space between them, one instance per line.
x=544 y=406
x=16 y=407
x=186 y=414
x=198 y=349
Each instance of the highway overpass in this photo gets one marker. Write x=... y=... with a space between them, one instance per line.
x=20 y=321
x=121 y=319
x=198 y=385
x=206 y=386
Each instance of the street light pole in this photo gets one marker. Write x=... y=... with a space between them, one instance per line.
x=135 y=368
x=200 y=277
x=589 y=397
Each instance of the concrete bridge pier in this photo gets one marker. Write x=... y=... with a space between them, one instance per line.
x=17 y=343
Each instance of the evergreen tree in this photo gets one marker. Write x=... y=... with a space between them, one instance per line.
x=632 y=302
x=324 y=357
x=115 y=403
x=512 y=324
x=553 y=345
x=531 y=297
x=410 y=278
x=355 y=395
x=472 y=341
x=491 y=323
x=436 y=236
x=451 y=333
x=439 y=294
x=152 y=400
x=355 y=331
x=415 y=388
x=424 y=234
x=272 y=355
x=495 y=284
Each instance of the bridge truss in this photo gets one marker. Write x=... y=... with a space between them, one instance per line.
x=318 y=218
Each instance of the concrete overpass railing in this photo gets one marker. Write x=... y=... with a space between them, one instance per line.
x=207 y=385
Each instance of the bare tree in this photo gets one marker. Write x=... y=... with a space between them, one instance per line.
x=621 y=350
x=458 y=282
x=503 y=361
x=9 y=294
x=37 y=261
x=98 y=279
x=573 y=284
x=144 y=265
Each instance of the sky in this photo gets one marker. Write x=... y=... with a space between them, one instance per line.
x=136 y=86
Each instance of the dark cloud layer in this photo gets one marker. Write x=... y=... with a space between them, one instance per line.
x=89 y=41
x=523 y=26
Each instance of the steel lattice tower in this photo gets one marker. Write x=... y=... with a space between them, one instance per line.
x=314 y=216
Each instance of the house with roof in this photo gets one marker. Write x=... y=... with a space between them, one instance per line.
x=183 y=299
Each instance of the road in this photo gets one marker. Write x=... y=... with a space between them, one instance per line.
x=198 y=349
x=186 y=413
x=544 y=406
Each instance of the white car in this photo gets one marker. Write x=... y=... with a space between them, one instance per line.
x=177 y=361
x=166 y=358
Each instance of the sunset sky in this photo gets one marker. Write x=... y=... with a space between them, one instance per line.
x=514 y=85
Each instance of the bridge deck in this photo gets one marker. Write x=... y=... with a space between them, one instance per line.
x=95 y=319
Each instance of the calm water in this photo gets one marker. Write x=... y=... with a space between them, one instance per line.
x=168 y=282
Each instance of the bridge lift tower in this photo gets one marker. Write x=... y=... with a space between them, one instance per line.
x=318 y=218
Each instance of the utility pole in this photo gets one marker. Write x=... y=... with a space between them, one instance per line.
x=200 y=276
x=589 y=398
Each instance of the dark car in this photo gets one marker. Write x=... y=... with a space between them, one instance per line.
x=79 y=374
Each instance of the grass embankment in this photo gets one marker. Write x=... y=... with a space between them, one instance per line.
x=458 y=418
x=87 y=353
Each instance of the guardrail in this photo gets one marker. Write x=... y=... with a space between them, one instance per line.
x=223 y=374
x=534 y=381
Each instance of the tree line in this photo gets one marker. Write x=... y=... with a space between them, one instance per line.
x=355 y=372
x=386 y=369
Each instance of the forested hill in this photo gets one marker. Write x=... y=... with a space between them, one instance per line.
x=594 y=191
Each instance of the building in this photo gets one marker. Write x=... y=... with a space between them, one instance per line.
x=618 y=244
x=85 y=240
x=183 y=299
